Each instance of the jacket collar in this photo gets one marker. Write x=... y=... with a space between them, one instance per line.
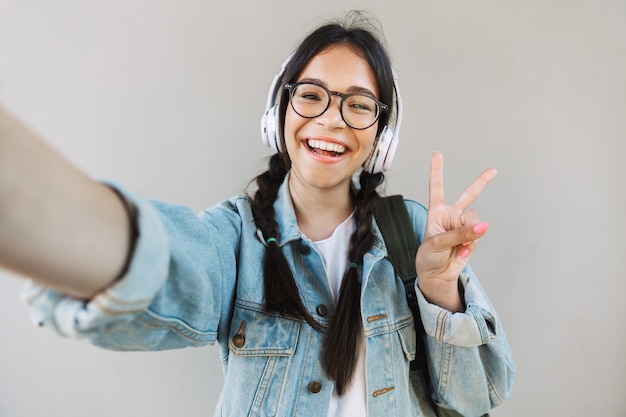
x=288 y=224
x=286 y=214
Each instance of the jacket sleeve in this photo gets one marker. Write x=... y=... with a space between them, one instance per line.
x=172 y=294
x=470 y=363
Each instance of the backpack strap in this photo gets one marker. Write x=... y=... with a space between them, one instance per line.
x=397 y=230
x=396 y=227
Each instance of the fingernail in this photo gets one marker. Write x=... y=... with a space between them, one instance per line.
x=465 y=253
x=481 y=227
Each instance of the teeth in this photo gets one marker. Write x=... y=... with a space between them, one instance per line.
x=327 y=146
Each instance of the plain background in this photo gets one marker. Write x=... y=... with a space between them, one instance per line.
x=166 y=97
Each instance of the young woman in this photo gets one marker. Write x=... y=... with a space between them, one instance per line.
x=292 y=281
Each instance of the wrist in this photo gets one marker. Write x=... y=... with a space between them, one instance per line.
x=445 y=294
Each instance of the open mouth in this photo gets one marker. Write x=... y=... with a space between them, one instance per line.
x=326 y=149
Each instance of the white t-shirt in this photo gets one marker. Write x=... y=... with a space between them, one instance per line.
x=334 y=251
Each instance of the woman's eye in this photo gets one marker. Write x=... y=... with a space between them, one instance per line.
x=310 y=96
x=360 y=105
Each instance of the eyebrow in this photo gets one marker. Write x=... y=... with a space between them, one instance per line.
x=351 y=90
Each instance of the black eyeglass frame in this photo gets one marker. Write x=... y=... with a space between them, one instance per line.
x=381 y=107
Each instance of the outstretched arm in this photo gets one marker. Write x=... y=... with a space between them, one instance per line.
x=57 y=225
x=451 y=235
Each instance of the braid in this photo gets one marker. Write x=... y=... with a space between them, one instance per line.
x=343 y=340
x=268 y=184
x=280 y=289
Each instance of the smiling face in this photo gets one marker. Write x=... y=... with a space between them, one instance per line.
x=325 y=152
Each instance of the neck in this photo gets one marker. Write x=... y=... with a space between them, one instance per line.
x=320 y=211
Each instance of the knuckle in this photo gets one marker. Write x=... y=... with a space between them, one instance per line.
x=466 y=234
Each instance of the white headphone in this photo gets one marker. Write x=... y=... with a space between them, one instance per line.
x=384 y=147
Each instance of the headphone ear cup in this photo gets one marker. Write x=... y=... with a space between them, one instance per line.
x=269 y=121
x=382 y=153
x=269 y=129
x=384 y=150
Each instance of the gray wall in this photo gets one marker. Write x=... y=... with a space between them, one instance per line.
x=166 y=97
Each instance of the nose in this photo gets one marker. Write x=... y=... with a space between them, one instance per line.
x=332 y=117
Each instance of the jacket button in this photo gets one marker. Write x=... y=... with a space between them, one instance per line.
x=315 y=387
x=304 y=249
x=322 y=310
x=239 y=340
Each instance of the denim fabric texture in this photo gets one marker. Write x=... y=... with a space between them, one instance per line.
x=196 y=280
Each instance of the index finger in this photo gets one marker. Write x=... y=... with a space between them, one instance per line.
x=475 y=188
x=435 y=182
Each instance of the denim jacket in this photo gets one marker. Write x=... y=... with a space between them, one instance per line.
x=194 y=280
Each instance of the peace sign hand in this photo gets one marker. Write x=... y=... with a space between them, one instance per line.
x=451 y=236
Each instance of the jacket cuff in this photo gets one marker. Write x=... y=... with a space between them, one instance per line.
x=132 y=293
x=475 y=326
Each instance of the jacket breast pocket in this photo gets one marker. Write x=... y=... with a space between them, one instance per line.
x=254 y=332
x=261 y=346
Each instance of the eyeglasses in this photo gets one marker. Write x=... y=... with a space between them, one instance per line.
x=311 y=100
